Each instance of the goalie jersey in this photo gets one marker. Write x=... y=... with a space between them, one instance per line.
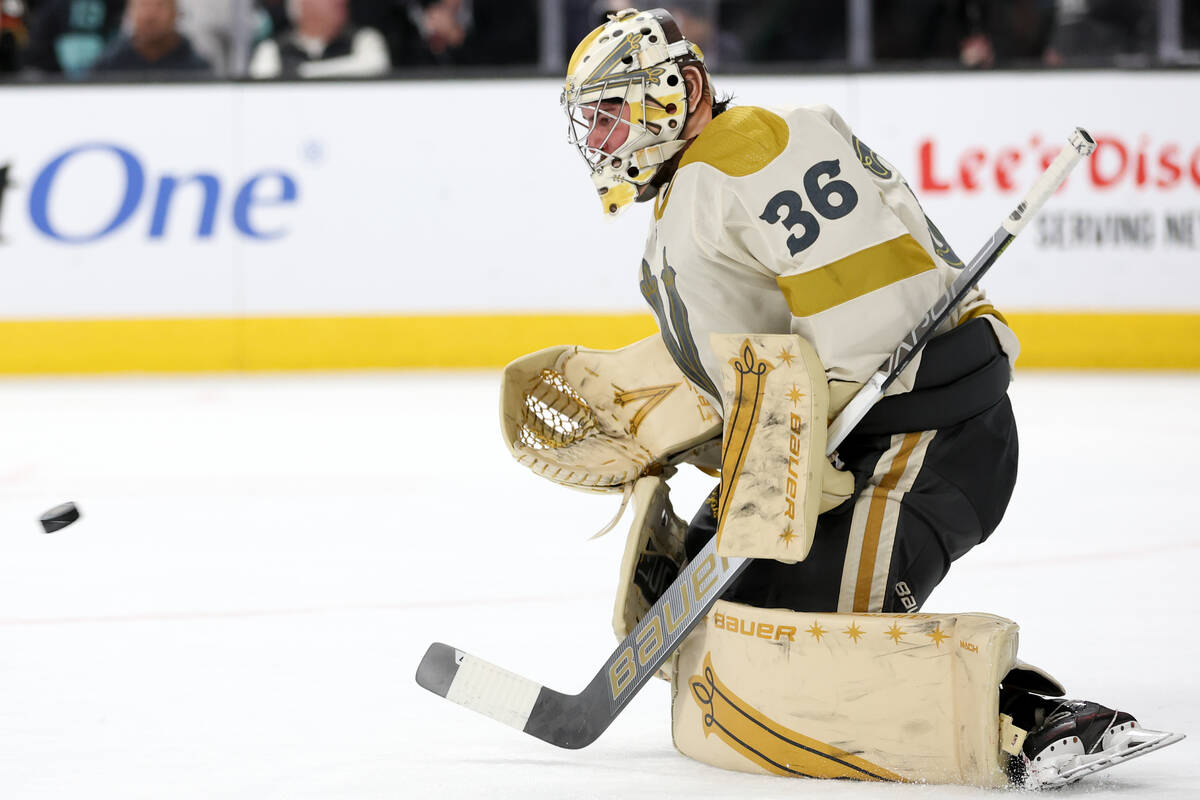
x=782 y=221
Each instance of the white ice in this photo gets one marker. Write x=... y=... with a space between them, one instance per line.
x=262 y=561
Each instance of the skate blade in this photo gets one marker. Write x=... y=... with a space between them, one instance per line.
x=1137 y=742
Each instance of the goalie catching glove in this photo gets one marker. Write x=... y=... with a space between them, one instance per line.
x=600 y=419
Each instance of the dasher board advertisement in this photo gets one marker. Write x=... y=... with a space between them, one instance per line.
x=455 y=200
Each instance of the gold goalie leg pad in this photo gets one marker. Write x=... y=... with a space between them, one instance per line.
x=874 y=697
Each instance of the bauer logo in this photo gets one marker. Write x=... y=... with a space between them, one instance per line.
x=662 y=627
x=95 y=190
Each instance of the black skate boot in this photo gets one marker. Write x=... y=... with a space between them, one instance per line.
x=1074 y=738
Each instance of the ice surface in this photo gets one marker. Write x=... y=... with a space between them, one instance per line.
x=262 y=561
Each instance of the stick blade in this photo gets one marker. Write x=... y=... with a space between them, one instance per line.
x=437 y=668
x=478 y=685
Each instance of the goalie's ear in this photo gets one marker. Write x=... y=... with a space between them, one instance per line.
x=599 y=419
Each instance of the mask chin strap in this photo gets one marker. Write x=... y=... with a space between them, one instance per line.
x=656 y=154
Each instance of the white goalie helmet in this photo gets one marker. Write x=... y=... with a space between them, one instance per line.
x=626 y=101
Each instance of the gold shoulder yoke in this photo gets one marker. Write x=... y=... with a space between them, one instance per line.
x=739 y=142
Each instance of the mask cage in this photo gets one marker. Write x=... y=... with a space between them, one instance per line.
x=580 y=128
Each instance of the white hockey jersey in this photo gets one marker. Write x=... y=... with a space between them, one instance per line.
x=781 y=220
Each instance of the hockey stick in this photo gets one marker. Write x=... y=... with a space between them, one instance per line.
x=575 y=721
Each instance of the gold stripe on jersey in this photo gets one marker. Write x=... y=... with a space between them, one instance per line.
x=661 y=199
x=739 y=142
x=860 y=273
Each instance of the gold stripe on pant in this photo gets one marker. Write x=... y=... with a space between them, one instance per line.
x=873 y=526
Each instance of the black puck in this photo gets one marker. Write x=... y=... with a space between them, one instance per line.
x=59 y=517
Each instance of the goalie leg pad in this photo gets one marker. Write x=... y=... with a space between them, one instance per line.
x=890 y=697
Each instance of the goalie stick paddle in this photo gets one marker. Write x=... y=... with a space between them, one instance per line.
x=576 y=720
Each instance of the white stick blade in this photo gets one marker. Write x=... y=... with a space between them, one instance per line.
x=478 y=685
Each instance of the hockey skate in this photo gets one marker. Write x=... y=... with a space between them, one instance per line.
x=1078 y=738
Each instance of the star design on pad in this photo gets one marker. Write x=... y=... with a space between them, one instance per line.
x=817 y=631
x=785 y=356
x=937 y=635
x=788 y=536
x=854 y=632
x=795 y=394
x=894 y=633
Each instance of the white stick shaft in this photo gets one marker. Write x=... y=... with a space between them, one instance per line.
x=1078 y=146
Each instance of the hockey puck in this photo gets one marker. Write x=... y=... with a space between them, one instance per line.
x=59 y=517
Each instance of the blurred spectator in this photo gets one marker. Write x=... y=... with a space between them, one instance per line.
x=1006 y=34
x=700 y=22
x=918 y=30
x=153 y=42
x=274 y=17
x=789 y=30
x=1191 y=26
x=1101 y=31
x=68 y=36
x=975 y=33
x=447 y=32
x=14 y=35
x=220 y=30
x=443 y=24
x=322 y=43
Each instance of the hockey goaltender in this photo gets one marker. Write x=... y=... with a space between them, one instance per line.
x=785 y=261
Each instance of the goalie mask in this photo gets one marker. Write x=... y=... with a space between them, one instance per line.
x=626 y=101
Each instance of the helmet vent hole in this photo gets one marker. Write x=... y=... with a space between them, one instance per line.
x=672 y=123
x=617 y=163
x=632 y=172
x=671 y=108
x=627 y=60
x=612 y=208
x=672 y=80
x=617 y=33
x=646 y=32
x=653 y=39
